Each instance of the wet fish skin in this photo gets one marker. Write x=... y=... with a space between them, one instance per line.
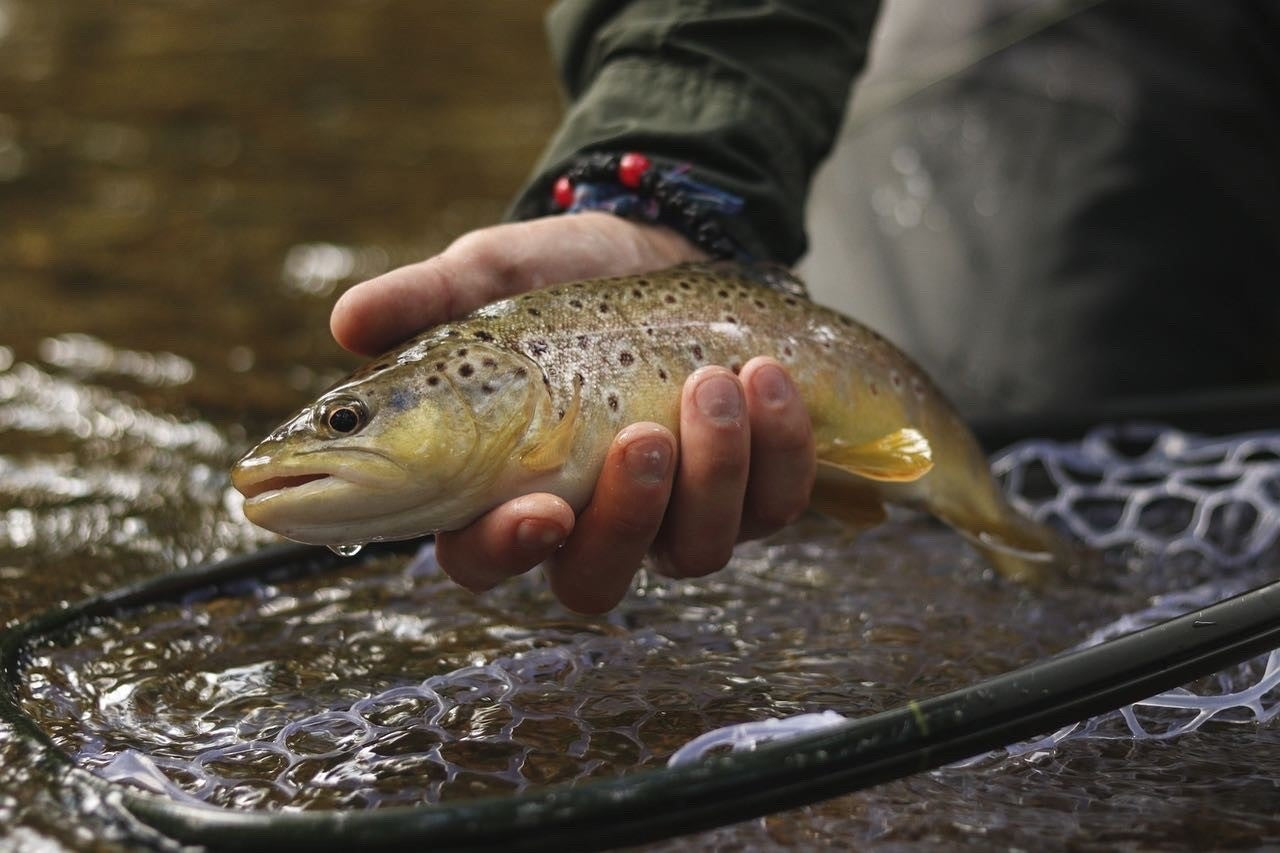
x=527 y=394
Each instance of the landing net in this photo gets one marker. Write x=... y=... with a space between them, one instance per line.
x=1200 y=516
x=295 y=694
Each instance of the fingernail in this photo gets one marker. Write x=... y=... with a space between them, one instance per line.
x=771 y=384
x=537 y=535
x=648 y=461
x=718 y=398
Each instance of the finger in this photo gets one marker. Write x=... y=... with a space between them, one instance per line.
x=783 y=464
x=494 y=262
x=593 y=571
x=715 y=451
x=508 y=540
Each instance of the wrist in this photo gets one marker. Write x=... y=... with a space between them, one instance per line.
x=634 y=187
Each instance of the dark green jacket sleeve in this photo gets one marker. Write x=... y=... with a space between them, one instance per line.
x=751 y=92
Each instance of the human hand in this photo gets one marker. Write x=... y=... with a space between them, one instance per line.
x=745 y=462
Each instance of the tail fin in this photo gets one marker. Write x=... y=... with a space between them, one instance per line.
x=1018 y=548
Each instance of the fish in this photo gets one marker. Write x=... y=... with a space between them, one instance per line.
x=527 y=393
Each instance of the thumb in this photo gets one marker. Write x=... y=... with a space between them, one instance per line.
x=494 y=262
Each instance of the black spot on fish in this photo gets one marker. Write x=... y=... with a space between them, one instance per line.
x=874 y=389
x=790 y=300
x=729 y=318
x=522 y=372
x=625 y=359
x=576 y=303
x=487 y=388
x=560 y=414
x=787 y=351
x=583 y=342
x=613 y=402
x=462 y=353
x=669 y=299
x=537 y=347
x=489 y=363
x=723 y=294
x=697 y=352
x=684 y=285
x=440 y=365
x=484 y=336
x=577 y=377
x=759 y=303
x=604 y=309
x=636 y=293
x=662 y=374
x=466 y=369
x=433 y=381
x=643 y=282
x=648 y=330
x=534 y=312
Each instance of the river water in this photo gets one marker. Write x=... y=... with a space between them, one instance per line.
x=184 y=188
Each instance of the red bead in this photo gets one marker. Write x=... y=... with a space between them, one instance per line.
x=631 y=168
x=562 y=192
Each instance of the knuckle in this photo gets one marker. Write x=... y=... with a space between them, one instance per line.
x=770 y=515
x=725 y=464
x=588 y=605
x=632 y=526
x=486 y=249
x=790 y=433
x=697 y=562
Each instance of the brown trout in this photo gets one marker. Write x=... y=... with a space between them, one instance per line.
x=526 y=395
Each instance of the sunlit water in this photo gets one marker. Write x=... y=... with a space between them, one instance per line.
x=184 y=189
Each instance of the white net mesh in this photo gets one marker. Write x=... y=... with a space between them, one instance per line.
x=1173 y=508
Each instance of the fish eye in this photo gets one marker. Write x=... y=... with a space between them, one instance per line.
x=343 y=417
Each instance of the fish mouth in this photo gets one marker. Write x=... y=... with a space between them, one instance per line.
x=261 y=478
x=254 y=488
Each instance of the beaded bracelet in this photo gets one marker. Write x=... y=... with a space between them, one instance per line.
x=629 y=185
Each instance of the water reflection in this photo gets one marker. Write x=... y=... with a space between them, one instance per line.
x=317 y=268
x=90 y=357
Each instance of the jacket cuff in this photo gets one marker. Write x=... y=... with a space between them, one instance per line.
x=733 y=139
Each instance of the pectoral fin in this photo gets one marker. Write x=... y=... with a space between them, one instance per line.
x=552 y=449
x=899 y=457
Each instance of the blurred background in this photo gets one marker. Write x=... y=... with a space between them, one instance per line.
x=184 y=189
x=203 y=177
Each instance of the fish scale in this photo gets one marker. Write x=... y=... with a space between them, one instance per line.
x=526 y=394
x=641 y=341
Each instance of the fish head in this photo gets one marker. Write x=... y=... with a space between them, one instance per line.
x=397 y=450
